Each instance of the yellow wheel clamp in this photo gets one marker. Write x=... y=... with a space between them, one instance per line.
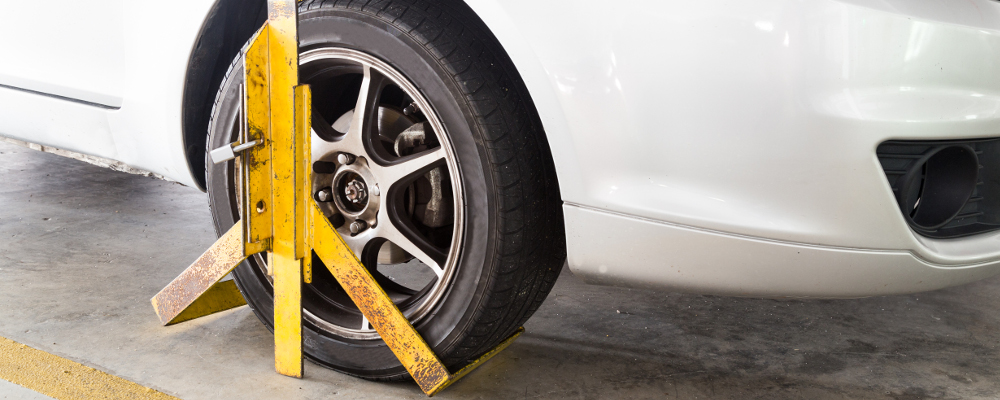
x=280 y=217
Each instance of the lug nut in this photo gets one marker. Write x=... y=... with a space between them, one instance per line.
x=324 y=195
x=375 y=190
x=345 y=158
x=358 y=226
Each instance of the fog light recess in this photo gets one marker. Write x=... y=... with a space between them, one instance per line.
x=936 y=187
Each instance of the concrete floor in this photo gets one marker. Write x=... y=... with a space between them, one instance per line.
x=10 y=391
x=84 y=248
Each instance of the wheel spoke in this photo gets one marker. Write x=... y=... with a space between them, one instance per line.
x=407 y=167
x=364 y=124
x=364 y=322
x=323 y=128
x=320 y=146
x=417 y=246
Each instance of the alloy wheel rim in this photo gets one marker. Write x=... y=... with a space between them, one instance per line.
x=357 y=154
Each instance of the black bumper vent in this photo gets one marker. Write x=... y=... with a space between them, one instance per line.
x=945 y=189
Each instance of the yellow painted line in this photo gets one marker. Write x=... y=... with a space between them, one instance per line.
x=63 y=379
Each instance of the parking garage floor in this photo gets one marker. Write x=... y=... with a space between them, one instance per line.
x=82 y=249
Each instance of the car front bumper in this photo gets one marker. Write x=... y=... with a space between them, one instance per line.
x=729 y=147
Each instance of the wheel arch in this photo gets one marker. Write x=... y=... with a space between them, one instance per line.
x=541 y=90
x=230 y=23
x=227 y=27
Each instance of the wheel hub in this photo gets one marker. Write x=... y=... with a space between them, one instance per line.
x=356 y=195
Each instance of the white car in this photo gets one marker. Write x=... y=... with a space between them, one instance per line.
x=826 y=148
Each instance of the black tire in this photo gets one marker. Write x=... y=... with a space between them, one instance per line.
x=514 y=243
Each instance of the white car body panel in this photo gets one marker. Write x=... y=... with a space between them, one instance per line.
x=145 y=130
x=698 y=144
x=76 y=49
x=754 y=120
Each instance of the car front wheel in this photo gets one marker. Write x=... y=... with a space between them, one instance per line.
x=430 y=160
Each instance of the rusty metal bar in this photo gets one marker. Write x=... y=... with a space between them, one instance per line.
x=287 y=184
x=255 y=163
x=303 y=179
x=405 y=342
x=452 y=378
x=375 y=304
x=197 y=291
